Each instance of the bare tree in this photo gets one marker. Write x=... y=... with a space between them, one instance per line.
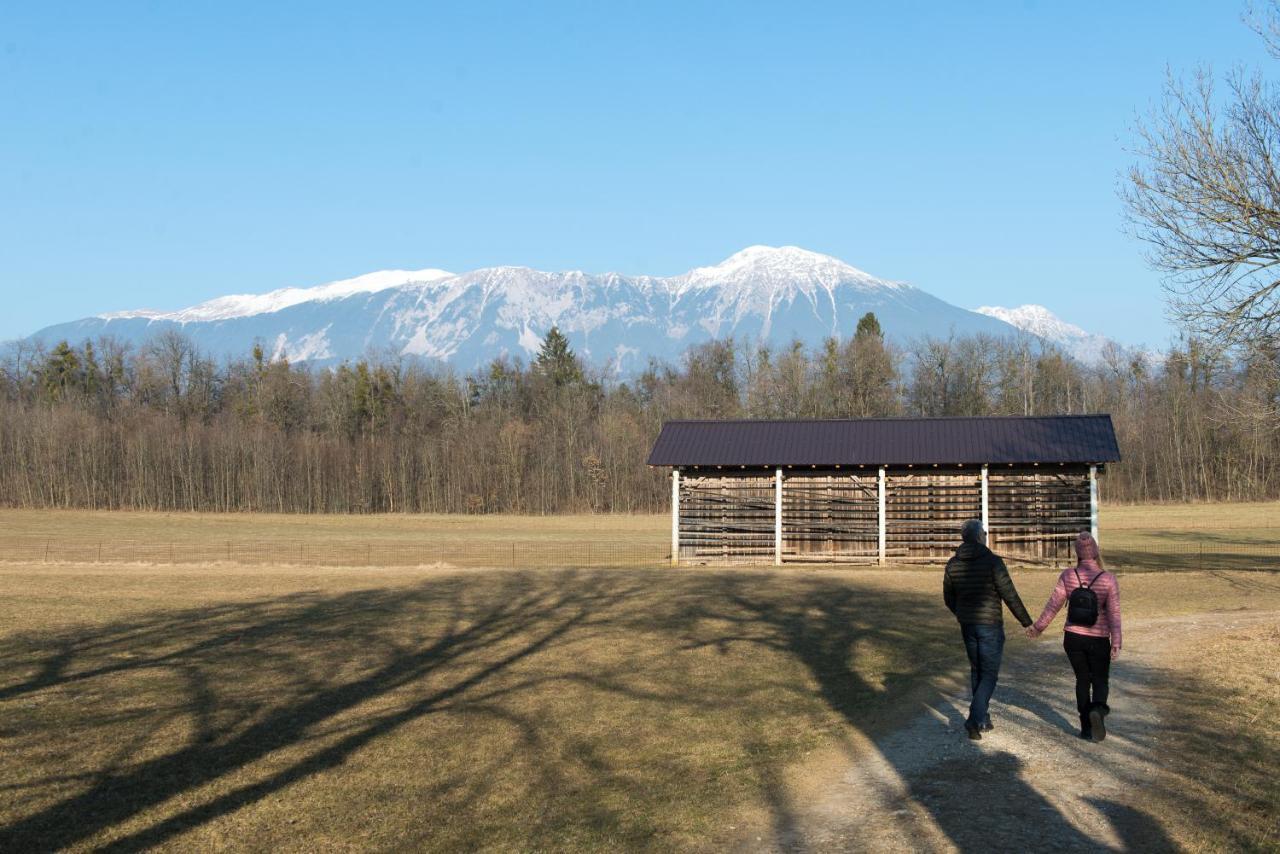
x=1205 y=197
x=97 y=426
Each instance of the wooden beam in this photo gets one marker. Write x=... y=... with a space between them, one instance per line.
x=1093 y=501
x=777 y=516
x=880 y=496
x=986 y=505
x=675 y=517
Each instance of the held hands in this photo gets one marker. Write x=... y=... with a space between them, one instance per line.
x=1032 y=634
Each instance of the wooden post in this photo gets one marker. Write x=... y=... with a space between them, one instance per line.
x=1093 y=501
x=882 y=514
x=777 y=516
x=986 y=507
x=675 y=517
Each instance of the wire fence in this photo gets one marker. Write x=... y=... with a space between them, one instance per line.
x=330 y=552
x=1205 y=554
x=1195 y=555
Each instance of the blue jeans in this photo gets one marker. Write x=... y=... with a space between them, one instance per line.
x=985 y=646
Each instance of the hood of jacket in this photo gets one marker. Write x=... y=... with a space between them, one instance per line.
x=969 y=550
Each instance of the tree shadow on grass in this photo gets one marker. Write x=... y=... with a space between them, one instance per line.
x=284 y=640
x=182 y=718
x=564 y=709
x=823 y=629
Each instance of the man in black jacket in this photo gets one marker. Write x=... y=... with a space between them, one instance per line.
x=974 y=583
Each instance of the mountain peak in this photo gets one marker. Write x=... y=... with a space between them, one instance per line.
x=772 y=268
x=789 y=259
x=1043 y=323
x=1035 y=319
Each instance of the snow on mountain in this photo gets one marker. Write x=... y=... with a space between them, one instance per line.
x=244 y=305
x=764 y=294
x=1042 y=323
x=764 y=271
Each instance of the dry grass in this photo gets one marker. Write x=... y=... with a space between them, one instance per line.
x=652 y=531
x=1190 y=517
x=1152 y=536
x=195 y=708
x=1146 y=525
x=1224 y=721
x=1192 y=536
x=294 y=710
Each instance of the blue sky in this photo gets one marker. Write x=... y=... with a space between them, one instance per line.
x=159 y=154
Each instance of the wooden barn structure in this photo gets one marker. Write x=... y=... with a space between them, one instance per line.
x=871 y=490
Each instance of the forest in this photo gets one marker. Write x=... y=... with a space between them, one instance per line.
x=95 y=424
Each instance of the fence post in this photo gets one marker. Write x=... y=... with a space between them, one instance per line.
x=46 y=551
x=99 y=560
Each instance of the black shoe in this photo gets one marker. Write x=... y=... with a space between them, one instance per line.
x=974 y=733
x=987 y=727
x=1097 y=720
x=1086 y=734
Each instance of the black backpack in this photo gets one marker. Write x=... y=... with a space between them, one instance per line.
x=1082 y=604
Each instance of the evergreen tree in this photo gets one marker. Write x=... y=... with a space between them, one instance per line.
x=868 y=325
x=91 y=370
x=556 y=360
x=61 y=371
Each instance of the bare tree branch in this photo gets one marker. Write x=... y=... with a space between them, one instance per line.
x=1205 y=197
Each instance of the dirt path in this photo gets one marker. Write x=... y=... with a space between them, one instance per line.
x=1031 y=784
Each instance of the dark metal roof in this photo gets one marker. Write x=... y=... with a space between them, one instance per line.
x=888 y=441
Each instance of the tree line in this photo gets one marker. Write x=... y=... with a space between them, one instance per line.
x=164 y=427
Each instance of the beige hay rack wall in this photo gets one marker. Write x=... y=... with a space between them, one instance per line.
x=880 y=490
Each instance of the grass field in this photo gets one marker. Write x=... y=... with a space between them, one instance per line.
x=649 y=531
x=1234 y=536
x=354 y=709
x=295 y=708
x=1193 y=536
x=288 y=708
x=1228 y=738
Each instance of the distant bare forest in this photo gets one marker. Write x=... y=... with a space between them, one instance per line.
x=163 y=427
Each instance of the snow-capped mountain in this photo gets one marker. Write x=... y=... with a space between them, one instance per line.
x=761 y=293
x=1042 y=323
x=243 y=305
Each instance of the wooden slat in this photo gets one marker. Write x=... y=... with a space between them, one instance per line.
x=833 y=516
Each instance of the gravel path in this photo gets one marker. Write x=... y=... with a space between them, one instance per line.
x=1029 y=785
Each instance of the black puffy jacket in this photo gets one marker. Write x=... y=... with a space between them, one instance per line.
x=973 y=584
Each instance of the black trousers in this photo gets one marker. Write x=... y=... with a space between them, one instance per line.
x=1091 y=660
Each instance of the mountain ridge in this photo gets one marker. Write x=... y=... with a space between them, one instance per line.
x=1039 y=321
x=772 y=294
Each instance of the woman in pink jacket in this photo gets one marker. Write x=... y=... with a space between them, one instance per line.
x=1092 y=636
